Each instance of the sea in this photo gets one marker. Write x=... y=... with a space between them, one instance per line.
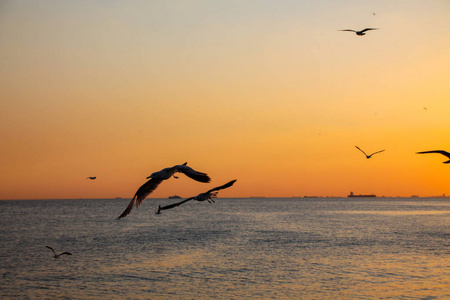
x=239 y=248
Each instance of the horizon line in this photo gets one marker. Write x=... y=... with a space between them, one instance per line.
x=239 y=197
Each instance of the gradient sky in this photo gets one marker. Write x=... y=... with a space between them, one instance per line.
x=266 y=92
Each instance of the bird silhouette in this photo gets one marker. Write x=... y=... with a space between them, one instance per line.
x=91 y=177
x=445 y=153
x=56 y=256
x=157 y=177
x=361 y=32
x=368 y=156
x=208 y=196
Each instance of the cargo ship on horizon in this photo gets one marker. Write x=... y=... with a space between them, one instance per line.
x=357 y=196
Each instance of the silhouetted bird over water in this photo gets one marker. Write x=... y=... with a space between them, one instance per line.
x=56 y=256
x=208 y=196
x=361 y=32
x=437 y=151
x=157 y=177
x=91 y=177
x=369 y=156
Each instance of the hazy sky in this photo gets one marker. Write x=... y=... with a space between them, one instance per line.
x=266 y=92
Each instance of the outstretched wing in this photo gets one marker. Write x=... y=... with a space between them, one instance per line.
x=51 y=249
x=367 y=29
x=377 y=152
x=67 y=253
x=361 y=150
x=347 y=30
x=141 y=194
x=437 y=151
x=191 y=173
x=174 y=204
x=226 y=185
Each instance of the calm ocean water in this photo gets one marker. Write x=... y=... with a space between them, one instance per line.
x=257 y=248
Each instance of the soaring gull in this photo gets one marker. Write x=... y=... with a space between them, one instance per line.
x=368 y=156
x=208 y=196
x=156 y=178
x=361 y=32
x=437 y=151
x=56 y=256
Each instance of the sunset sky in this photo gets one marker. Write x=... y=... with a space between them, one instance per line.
x=266 y=92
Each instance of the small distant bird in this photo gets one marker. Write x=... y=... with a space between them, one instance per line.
x=91 y=177
x=156 y=178
x=369 y=156
x=56 y=256
x=361 y=32
x=437 y=151
x=208 y=196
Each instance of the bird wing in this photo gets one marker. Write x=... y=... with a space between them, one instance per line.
x=141 y=194
x=435 y=151
x=175 y=204
x=51 y=249
x=367 y=29
x=191 y=173
x=361 y=150
x=226 y=185
x=377 y=152
x=347 y=30
x=67 y=253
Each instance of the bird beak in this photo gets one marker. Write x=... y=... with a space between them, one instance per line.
x=149 y=177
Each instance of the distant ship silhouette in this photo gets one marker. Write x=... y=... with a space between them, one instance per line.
x=356 y=196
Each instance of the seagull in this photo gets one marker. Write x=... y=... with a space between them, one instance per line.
x=437 y=151
x=157 y=177
x=56 y=256
x=91 y=177
x=208 y=196
x=361 y=32
x=368 y=156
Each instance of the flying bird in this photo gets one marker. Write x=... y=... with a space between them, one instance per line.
x=208 y=196
x=91 y=177
x=368 y=156
x=361 y=32
x=56 y=256
x=437 y=151
x=156 y=178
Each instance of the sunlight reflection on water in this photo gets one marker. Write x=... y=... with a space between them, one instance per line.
x=234 y=249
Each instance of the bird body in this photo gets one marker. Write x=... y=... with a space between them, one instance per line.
x=445 y=153
x=91 y=177
x=360 y=32
x=156 y=178
x=207 y=196
x=368 y=156
x=56 y=256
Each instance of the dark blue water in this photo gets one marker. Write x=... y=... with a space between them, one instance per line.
x=263 y=248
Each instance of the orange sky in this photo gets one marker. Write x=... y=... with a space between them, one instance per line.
x=269 y=93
